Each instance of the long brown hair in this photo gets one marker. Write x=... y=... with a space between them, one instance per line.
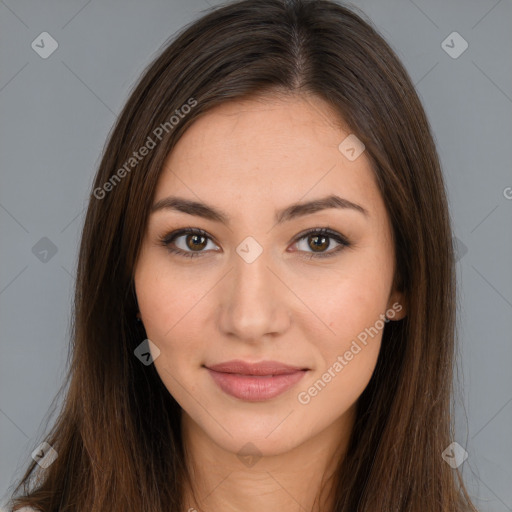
x=118 y=433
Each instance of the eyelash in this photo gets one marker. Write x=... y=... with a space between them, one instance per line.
x=167 y=239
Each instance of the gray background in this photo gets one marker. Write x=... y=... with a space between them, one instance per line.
x=55 y=117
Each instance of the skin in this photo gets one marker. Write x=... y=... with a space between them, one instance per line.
x=250 y=159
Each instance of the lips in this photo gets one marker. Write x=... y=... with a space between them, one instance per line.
x=262 y=368
x=255 y=381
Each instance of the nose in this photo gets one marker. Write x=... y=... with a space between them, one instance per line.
x=254 y=301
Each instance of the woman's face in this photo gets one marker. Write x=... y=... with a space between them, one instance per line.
x=255 y=286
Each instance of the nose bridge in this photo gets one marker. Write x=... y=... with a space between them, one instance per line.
x=255 y=303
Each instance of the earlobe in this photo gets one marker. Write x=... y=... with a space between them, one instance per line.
x=396 y=309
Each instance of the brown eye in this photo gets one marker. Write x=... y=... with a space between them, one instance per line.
x=318 y=243
x=315 y=242
x=188 y=242
x=196 y=242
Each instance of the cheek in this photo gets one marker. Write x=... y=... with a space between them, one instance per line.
x=170 y=306
x=346 y=302
x=351 y=303
x=347 y=354
x=166 y=298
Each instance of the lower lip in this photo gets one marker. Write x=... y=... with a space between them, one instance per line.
x=255 y=388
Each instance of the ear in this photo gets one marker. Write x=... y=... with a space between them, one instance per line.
x=396 y=308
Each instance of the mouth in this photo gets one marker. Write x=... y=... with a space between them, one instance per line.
x=255 y=382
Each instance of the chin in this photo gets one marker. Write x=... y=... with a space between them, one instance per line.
x=271 y=434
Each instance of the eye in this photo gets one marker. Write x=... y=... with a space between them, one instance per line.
x=319 y=240
x=191 y=242
x=188 y=242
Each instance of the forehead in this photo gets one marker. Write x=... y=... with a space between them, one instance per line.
x=272 y=122
x=267 y=148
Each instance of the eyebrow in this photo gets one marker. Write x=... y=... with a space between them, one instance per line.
x=290 y=212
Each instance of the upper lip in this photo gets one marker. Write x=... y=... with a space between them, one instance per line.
x=261 y=368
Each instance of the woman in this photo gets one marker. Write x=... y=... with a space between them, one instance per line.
x=264 y=311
